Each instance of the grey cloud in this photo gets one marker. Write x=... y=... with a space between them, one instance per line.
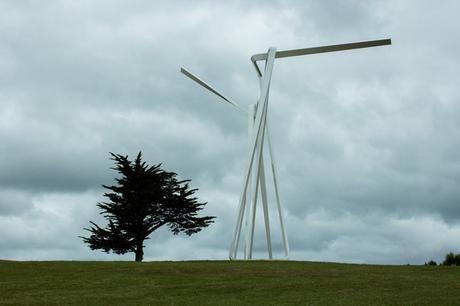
x=366 y=140
x=14 y=202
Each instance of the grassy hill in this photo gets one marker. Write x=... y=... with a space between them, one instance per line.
x=225 y=283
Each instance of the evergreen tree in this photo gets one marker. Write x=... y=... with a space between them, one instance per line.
x=452 y=259
x=144 y=199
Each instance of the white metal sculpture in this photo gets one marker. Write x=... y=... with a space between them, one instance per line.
x=254 y=178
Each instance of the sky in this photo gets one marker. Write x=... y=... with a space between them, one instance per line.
x=366 y=141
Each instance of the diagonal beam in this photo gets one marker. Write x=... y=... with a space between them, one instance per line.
x=209 y=87
x=278 y=202
x=263 y=193
x=323 y=49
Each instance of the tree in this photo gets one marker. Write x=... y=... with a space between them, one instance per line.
x=452 y=259
x=431 y=263
x=144 y=199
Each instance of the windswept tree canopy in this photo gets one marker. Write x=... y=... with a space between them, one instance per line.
x=143 y=199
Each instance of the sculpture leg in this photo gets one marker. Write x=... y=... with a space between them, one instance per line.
x=251 y=112
x=278 y=202
x=239 y=221
x=247 y=221
x=263 y=192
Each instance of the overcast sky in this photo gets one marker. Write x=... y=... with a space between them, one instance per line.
x=367 y=141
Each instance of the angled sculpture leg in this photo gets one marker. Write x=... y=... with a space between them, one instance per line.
x=252 y=218
x=278 y=202
x=247 y=221
x=251 y=112
x=263 y=192
x=239 y=221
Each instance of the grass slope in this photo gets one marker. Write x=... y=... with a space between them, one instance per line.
x=225 y=283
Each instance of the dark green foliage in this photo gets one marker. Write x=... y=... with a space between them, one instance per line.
x=431 y=263
x=451 y=259
x=144 y=199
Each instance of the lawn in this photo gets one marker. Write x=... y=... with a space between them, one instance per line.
x=225 y=283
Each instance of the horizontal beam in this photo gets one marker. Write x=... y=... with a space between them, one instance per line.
x=323 y=49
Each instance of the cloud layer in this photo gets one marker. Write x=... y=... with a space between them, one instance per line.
x=366 y=140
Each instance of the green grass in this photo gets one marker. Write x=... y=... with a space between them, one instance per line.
x=225 y=283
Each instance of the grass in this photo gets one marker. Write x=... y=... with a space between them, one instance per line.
x=225 y=283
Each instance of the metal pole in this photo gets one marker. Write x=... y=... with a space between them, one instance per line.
x=278 y=202
x=263 y=192
x=251 y=111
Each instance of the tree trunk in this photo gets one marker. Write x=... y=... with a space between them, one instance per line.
x=139 y=252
